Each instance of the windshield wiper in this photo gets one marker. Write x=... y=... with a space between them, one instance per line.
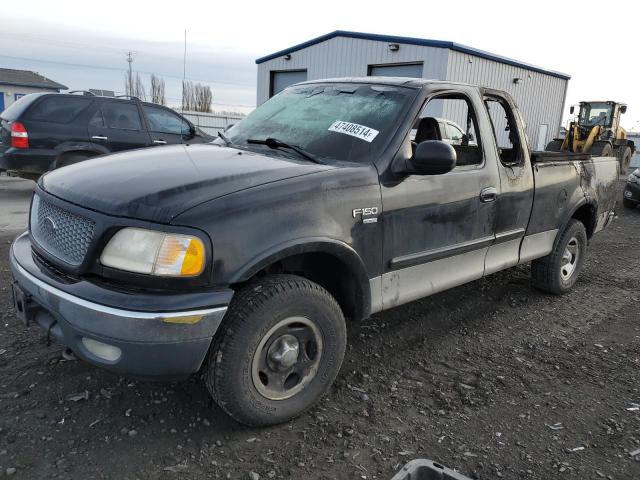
x=274 y=143
x=225 y=139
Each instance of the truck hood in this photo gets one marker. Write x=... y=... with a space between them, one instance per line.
x=158 y=183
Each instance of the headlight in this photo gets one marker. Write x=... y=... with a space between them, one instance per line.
x=154 y=253
x=633 y=179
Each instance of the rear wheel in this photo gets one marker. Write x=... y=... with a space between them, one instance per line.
x=71 y=158
x=601 y=149
x=554 y=146
x=558 y=272
x=624 y=157
x=278 y=350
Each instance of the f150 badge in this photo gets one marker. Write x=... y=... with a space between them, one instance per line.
x=368 y=214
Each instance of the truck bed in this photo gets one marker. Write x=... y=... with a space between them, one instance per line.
x=561 y=185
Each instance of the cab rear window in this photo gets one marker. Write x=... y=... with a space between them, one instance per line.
x=58 y=109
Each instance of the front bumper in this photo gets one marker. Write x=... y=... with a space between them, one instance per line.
x=632 y=192
x=152 y=343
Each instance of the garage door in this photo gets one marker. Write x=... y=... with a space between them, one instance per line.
x=281 y=80
x=404 y=70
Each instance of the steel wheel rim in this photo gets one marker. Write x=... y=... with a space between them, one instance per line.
x=570 y=257
x=287 y=358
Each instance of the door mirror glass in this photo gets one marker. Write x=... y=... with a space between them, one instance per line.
x=188 y=131
x=432 y=157
x=571 y=110
x=623 y=109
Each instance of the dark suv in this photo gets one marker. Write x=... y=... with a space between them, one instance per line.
x=45 y=131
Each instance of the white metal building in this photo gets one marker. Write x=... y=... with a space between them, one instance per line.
x=540 y=93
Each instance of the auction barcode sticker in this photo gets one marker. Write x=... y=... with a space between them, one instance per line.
x=359 y=131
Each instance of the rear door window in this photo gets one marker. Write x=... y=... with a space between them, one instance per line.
x=163 y=121
x=121 y=116
x=57 y=109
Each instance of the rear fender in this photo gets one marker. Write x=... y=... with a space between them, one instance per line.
x=73 y=147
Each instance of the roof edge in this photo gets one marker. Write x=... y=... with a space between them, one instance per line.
x=413 y=41
x=57 y=86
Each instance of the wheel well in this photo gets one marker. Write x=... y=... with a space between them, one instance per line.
x=71 y=153
x=587 y=215
x=328 y=271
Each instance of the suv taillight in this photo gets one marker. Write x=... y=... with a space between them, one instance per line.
x=19 y=136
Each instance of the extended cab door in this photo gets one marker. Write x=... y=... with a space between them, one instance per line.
x=438 y=228
x=117 y=126
x=516 y=184
x=165 y=126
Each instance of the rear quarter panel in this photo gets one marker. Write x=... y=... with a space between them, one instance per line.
x=599 y=180
x=561 y=187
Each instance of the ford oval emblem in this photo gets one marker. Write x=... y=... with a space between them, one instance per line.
x=48 y=226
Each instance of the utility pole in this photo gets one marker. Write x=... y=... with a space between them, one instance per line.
x=184 y=68
x=184 y=58
x=130 y=61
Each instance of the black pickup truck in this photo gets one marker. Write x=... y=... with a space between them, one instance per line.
x=243 y=259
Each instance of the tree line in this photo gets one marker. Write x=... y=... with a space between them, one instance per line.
x=195 y=96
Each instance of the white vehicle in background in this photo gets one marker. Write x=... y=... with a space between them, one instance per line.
x=447 y=131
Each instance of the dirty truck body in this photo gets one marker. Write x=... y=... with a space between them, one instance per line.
x=281 y=247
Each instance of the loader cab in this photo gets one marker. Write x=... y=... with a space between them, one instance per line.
x=604 y=114
x=596 y=114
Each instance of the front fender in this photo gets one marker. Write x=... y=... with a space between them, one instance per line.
x=338 y=249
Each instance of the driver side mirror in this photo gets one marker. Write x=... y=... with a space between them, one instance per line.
x=432 y=157
x=571 y=110
x=623 y=109
x=189 y=131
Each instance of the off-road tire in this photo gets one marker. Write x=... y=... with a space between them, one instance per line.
x=254 y=311
x=624 y=158
x=546 y=272
x=601 y=149
x=554 y=146
x=629 y=204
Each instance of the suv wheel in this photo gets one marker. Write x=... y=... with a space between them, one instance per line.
x=70 y=158
x=278 y=350
x=558 y=272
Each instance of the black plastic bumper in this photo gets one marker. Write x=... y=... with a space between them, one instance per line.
x=142 y=342
x=28 y=160
x=632 y=192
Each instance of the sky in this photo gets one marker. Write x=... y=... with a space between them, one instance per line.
x=84 y=46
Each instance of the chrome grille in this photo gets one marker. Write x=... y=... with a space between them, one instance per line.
x=63 y=234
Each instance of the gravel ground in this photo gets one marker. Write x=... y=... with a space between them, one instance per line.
x=492 y=378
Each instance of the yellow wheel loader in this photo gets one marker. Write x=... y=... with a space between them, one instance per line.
x=597 y=131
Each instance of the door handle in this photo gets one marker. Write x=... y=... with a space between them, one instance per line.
x=488 y=194
x=99 y=137
x=159 y=142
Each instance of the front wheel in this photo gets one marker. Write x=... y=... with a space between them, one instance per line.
x=278 y=350
x=628 y=204
x=558 y=272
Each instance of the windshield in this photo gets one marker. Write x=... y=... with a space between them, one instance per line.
x=342 y=121
x=596 y=113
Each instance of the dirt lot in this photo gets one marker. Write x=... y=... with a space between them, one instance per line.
x=492 y=378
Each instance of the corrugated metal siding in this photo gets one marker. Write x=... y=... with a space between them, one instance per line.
x=350 y=57
x=540 y=97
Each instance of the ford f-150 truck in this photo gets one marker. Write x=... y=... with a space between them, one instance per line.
x=243 y=259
